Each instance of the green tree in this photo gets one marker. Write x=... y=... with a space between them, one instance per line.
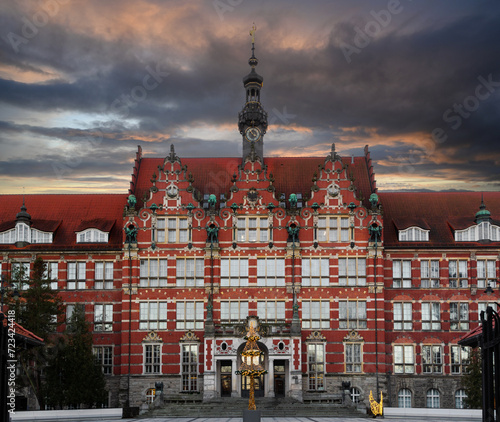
x=74 y=378
x=472 y=381
x=39 y=309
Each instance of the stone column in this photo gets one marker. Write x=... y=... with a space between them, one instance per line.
x=235 y=378
x=270 y=377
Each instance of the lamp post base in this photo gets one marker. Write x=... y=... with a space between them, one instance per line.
x=251 y=415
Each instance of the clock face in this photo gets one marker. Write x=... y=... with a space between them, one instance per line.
x=252 y=134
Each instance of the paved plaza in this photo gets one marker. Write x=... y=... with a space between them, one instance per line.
x=284 y=419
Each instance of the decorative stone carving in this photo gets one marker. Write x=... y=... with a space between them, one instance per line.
x=152 y=337
x=353 y=336
x=316 y=336
x=190 y=336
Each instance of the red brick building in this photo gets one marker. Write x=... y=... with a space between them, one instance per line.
x=348 y=284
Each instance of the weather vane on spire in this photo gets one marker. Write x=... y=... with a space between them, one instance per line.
x=252 y=32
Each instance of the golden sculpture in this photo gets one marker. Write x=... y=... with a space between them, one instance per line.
x=250 y=363
x=252 y=32
x=376 y=408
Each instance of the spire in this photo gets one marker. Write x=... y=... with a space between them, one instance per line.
x=23 y=214
x=483 y=214
x=253 y=76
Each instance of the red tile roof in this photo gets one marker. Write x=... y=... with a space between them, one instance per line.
x=291 y=174
x=437 y=211
x=22 y=332
x=65 y=215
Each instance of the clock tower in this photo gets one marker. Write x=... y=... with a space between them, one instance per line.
x=252 y=120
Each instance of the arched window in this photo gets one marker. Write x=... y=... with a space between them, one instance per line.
x=404 y=398
x=460 y=397
x=355 y=394
x=433 y=398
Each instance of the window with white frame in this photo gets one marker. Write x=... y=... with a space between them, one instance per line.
x=71 y=308
x=152 y=358
x=404 y=358
x=172 y=230
x=233 y=310
x=459 y=316
x=486 y=273
x=190 y=367
x=352 y=272
x=21 y=275
x=481 y=306
x=252 y=229
x=315 y=314
x=403 y=317
x=76 y=275
x=404 y=398
x=150 y=395
x=271 y=272
x=460 y=396
x=8 y=237
x=457 y=269
x=401 y=273
x=103 y=356
x=271 y=310
x=23 y=233
x=190 y=272
x=315 y=271
x=413 y=234
x=459 y=359
x=355 y=394
x=432 y=398
x=429 y=273
x=432 y=359
x=234 y=272
x=153 y=273
x=353 y=357
x=103 y=317
x=352 y=314
x=38 y=236
x=51 y=273
x=431 y=316
x=482 y=231
x=333 y=229
x=92 y=236
x=153 y=315
x=103 y=276
x=316 y=366
x=189 y=315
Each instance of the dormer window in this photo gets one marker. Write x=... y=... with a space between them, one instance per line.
x=23 y=233
x=413 y=234
x=479 y=232
x=92 y=236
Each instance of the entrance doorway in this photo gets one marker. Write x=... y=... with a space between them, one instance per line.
x=226 y=380
x=259 y=382
x=279 y=378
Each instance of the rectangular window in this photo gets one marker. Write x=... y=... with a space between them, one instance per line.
x=70 y=309
x=404 y=361
x=189 y=272
x=352 y=314
x=172 y=230
x=152 y=315
x=333 y=229
x=190 y=367
x=104 y=357
x=431 y=316
x=315 y=314
x=459 y=359
x=401 y=274
x=233 y=311
x=271 y=310
x=459 y=316
x=153 y=273
x=432 y=360
x=457 y=273
x=103 y=317
x=429 y=274
x=403 y=318
x=353 y=357
x=234 y=272
x=271 y=272
x=152 y=358
x=20 y=275
x=252 y=229
x=352 y=272
x=315 y=271
x=76 y=275
x=481 y=306
x=316 y=366
x=51 y=273
x=189 y=315
x=486 y=273
x=103 y=275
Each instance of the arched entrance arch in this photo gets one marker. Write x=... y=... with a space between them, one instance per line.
x=259 y=383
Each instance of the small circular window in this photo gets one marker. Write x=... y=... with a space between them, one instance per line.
x=281 y=345
x=223 y=346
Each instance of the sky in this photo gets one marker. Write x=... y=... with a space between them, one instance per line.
x=84 y=82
